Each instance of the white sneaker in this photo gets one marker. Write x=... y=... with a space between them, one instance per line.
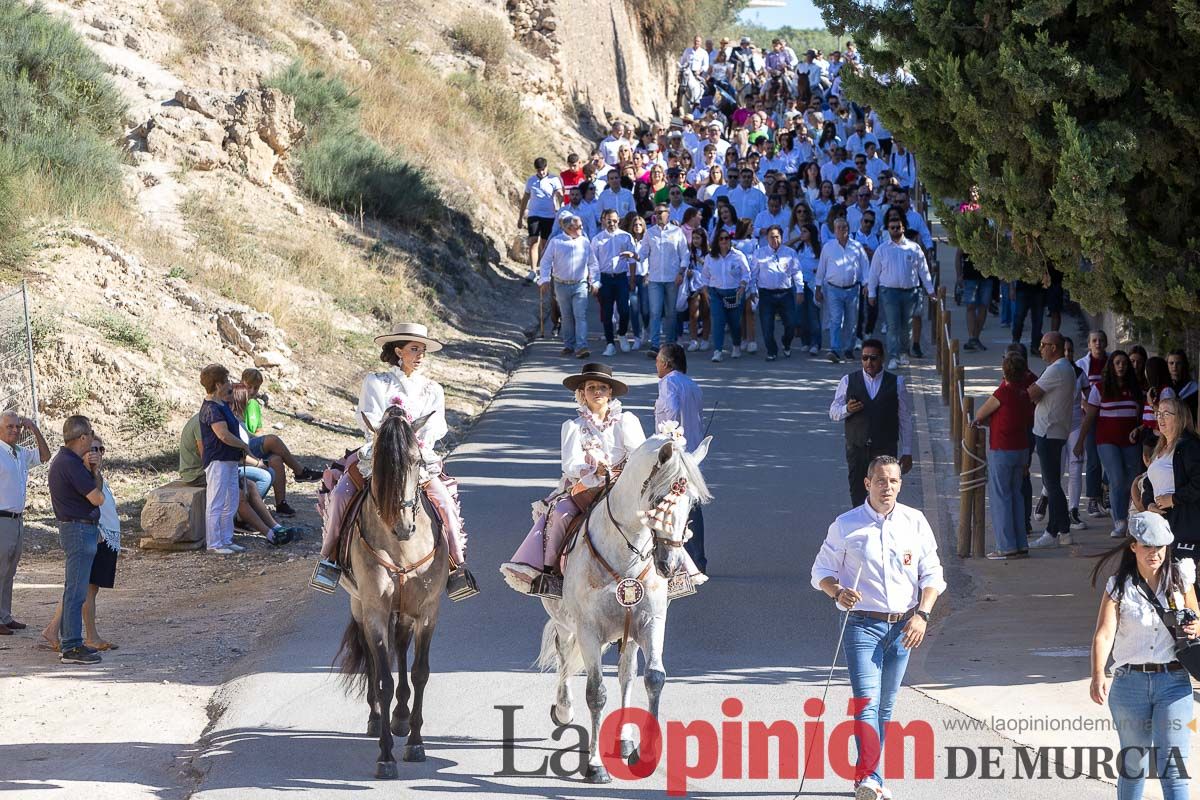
x=1066 y=538
x=1077 y=523
x=611 y=350
x=787 y=352
x=1118 y=531
x=221 y=551
x=752 y=348
x=814 y=351
x=892 y=364
x=693 y=346
x=703 y=345
x=635 y=343
x=1044 y=541
x=737 y=352
x=625 y=346
x=718 y=356
x=904 y=361
x=237 y=548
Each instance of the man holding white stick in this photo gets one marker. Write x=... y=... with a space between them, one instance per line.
x=879 y=562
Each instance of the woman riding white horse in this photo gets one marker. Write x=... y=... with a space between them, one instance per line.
x=595 y=445
x=402 y=385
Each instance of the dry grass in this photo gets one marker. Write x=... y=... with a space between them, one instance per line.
x=484 y=36
x=197 y=22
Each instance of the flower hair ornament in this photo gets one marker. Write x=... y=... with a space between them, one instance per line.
x=397 y=401
x=673 y=430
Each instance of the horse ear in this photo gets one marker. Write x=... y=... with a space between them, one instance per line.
x=665 y=452
x=419 y=422
x=702 y=451
x=367 y=422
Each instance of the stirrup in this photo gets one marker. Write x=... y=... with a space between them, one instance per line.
x=326 y=577
x=461 y=584
x=547 y=584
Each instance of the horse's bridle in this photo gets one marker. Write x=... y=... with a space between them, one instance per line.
x=654 y=537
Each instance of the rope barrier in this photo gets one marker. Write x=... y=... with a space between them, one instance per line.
x=964 y=483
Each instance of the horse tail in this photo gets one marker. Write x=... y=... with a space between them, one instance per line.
x=547 y=660
x=351 y=658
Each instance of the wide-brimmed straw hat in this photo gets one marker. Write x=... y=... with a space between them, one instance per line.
x=595 y=372
x=410 y=332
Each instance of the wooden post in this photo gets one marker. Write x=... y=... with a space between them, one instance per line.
x=957 y=395
x=966 y=502
x=938 y=338
x=948 y=362
x=955 y=412
x=979 y=529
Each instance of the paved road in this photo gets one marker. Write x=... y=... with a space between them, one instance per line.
x=756 y=631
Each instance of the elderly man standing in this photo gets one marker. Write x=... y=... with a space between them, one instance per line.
x=1053 y=395
x=76 y=493
x=15 y=462
x=879 y=563
x=570 y=264
x=680 y=400
x=840 y=274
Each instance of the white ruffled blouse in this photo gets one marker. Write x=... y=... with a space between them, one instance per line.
x=416 y=394
x=587 y=441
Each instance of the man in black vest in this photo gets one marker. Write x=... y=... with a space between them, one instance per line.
x=877 y=410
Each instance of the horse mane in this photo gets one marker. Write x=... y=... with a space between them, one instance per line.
x=681 y=464
x=396 y=449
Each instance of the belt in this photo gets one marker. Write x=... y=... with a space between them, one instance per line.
x=885 y=617
x=851 y=286
x=777 y=291
x=567 y=283
x=78 y=521
x=10 y=514
x=1169 y=667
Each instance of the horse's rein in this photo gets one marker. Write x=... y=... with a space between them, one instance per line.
x=399 y=574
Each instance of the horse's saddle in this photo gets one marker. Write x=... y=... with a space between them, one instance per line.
x=585 y=500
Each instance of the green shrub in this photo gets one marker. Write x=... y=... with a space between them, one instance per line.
x=119 y=330
x=484 y=36
x=323 y=102
x=147 y=413
x=44 y=330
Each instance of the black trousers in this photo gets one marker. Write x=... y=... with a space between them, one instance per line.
x=857 y=461
x=695 y=545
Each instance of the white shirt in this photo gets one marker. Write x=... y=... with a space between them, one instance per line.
x=417 y=395
x=675 y=213
x=775 y=269
x=1161 y=473
x=897 y=556
x=842 y=266
x=854 y=215
x=14 y=476
x=858 y=144
x=904 y=167
x=607 y=248
x=725 y=272
x=875 y=165
x=609 y=148
x=666 y=252
x=747 y=202
x=1052 y=414
x=585 y=443
x=621 y=200
x=541 y=193
x=569 y=259
x=898 y=265
x=837 y=409
x=1141 y=636
x=766 y=219
x=680 y=400
x=869 y=241
x=695 y=59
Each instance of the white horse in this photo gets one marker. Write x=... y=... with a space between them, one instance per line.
x=614 y=544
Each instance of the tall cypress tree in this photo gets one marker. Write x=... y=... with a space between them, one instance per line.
x=1078 y=121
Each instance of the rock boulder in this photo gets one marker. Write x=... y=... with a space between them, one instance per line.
x=173 y=518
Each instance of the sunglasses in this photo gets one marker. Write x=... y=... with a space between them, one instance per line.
x=99 y=449
x=871 y=357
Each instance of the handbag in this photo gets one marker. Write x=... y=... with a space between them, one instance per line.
x=731 y=302
x=1187 y=651
x=681 y=297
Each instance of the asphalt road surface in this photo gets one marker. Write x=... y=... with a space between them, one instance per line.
x=757 y=632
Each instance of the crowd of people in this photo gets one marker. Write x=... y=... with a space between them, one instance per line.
x=771 y=198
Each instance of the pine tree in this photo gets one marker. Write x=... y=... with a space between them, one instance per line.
x=1079 y=122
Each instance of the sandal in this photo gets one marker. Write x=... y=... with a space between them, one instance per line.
x=101 y=645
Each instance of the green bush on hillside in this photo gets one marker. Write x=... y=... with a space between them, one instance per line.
x=340 y=166
x=59 y=121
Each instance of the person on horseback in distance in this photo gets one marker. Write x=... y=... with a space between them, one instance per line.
x=595 y=445
x=402 y=385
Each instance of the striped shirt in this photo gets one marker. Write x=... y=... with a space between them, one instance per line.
x=1117 y=418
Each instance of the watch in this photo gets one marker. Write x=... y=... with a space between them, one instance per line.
x=922 y=614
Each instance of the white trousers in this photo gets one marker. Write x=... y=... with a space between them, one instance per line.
x=221 y=502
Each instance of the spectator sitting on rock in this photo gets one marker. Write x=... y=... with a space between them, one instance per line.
x=271 y=450
x=258 y=399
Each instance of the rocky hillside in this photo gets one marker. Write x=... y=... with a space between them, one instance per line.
x=241 y=234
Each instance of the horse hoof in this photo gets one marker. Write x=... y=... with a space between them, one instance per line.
x=597 y=774
x=400 y=727
x=414 y=752
x=554 y=716
x=373 y=728
x=386 y=770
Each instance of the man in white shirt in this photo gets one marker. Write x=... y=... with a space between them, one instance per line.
x=863 y=202
x=747 y=199
x=695 y=58
x=875 y=164
x=615 y=253
x=680 y=400
x=616 y=197
x=543 y=195
x=666 y=249
x=840 y=273
x=857 y=143
x=570 y=266
x=903 y=165
x=612 y=143
x=833 y=168
x=15 y=463
x=898 y=269
x=714 y=138
x=773 y=215
x=1053 y=395
x=778 y=285
x=879 y=563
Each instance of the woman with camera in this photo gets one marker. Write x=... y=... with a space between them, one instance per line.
x=1147 y=622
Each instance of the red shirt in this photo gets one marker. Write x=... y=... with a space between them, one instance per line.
x=1011 y=422
x=570 y=179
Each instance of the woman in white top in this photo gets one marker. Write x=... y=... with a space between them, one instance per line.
x=595 y=445
x=716 y=185
x=1150 y=696
x=422 y=400
x=1174 y=477
x=639 y=300
x=726 y=274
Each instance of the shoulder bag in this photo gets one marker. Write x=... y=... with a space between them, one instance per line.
x=1186 y=650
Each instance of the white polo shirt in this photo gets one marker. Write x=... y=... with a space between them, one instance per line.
x=14 y=476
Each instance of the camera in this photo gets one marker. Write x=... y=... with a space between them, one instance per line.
x=1186 y=616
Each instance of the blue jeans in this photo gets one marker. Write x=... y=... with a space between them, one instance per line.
x=1151 y=709
x=977 y=293
x=573 y=302
x=875 y=658
x=614 y=290
x=662 y=311
x=695 y=545
x=722 y=316
x=639 y=307
x=781 y=302
x=1006 y=304
x=79 y=542
x=1049 y=453
x=1006 y=471
x=898 y=305
x=841 y=305
x=261 y=478
x=808 y=319
x=1121 y=465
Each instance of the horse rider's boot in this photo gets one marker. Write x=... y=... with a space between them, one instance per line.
x=326 y=576
x=549 y=584
x=461 y=584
